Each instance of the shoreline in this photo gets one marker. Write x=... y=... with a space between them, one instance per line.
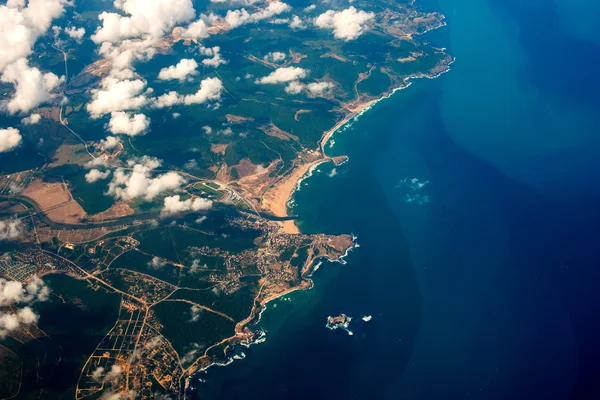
x=281 y=194
x=278 y=202
x=264 y=305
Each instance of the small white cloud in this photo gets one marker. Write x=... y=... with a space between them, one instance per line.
x=32 y=88
x=236 y=18
x=274 y=56
x=138 y=182
x=110 y=142
x=294 y=87
x=196 y=311
x=297 y=23
x=210 y=90
x=117 y=94
x=75 y=33
x=148 y=17
x=10 y=230
x=318 y=89
x=10 y=321
x=347 y=24
x=283 y=75
x=168 y=100
x=122 y=123
x=214 y=53
x=196 y=30
x=14 y=294
x=95 y=175
x=10 y=138
x=32 y=119
x=156 y=263
x=184 y=68
x=174 y=205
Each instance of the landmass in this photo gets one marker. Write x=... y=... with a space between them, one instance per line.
x=341 y=321
x=142 y=238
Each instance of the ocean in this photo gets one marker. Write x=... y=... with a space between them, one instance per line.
x=474 y=198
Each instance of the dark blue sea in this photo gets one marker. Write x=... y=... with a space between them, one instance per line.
x=475 y=198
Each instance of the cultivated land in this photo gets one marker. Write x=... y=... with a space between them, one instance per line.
x=157 y=297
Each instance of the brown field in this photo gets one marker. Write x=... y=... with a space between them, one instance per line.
x=117 y=210
x=237 y=119
x=273 y=130
x=245 y=167
x=46 y=234
x=218 y=148
x=56 y=201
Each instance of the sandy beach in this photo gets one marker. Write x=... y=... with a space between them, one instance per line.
x=275 y=199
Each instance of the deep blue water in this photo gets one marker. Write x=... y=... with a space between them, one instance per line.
x=486 y=284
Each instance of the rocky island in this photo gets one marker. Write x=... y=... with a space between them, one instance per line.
x=341 y=321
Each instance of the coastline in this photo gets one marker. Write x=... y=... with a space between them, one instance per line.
x=278 y=198
x=256 y=315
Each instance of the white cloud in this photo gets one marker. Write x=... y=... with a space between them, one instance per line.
x=32 y=119
x=10 y=321
x=117 y=94
x=168 y=100
x=213 y=52
x=196 y=30
x=314 y=89
x=196 y=311
x=210 y=90
x=110 y=142
x=32 y=88
x=156 y=263
x=75 y=33
x=279 y=21
x=10 y=230
x=191 y=164
x=97 y=374
x=347 y=24
x=294 y=87
x=10 y=138
x=274 y=56
x=297 y=23
x=144 y=17
x=174 y=205
x=236 y=18
x=125 y=53
x=283 y=75
x=13 y=293
x=96 y=162
x=122 y=123
x=317 y=89
x=96 y=175
x=310 y=8
x=137 y=181
x=114 y=374
x=184 y=68
x=21 y=26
